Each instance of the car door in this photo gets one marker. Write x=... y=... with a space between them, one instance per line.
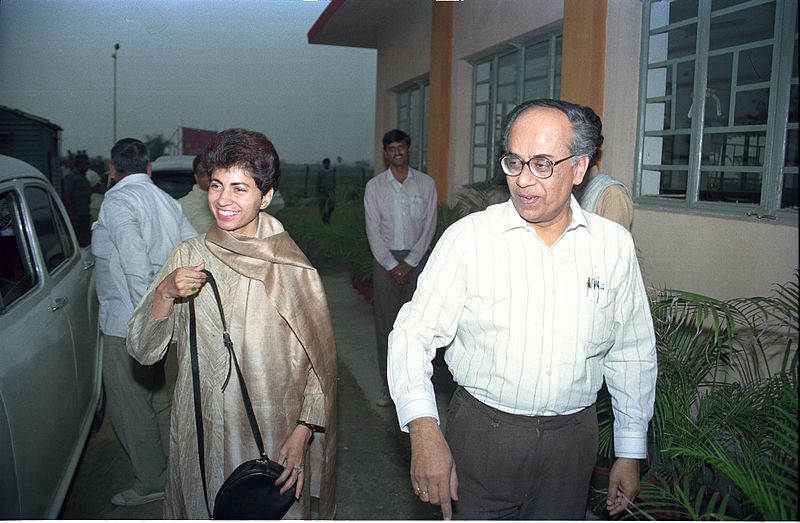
x=40 y=381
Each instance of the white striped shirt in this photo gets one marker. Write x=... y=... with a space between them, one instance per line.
x=531 y=329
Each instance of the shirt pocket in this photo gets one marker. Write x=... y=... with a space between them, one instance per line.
x=417 y=207
x=597 y=322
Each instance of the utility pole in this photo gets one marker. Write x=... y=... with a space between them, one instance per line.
x=114 y=56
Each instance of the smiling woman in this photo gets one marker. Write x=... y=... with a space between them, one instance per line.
x=281 y=332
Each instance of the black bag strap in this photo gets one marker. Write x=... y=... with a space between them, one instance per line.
x=198 y=411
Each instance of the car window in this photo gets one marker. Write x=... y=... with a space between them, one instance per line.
x=17 y=274
x=54 y=239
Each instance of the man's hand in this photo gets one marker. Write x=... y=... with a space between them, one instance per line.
x=433 y=473
x=623 y=485
x=400 y=273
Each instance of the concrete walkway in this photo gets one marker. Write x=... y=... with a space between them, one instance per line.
x=373 y=455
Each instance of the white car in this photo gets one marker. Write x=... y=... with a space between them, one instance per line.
x=175 y=176
x=50 y=349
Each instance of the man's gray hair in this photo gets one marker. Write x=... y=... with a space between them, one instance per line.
x=586 y=125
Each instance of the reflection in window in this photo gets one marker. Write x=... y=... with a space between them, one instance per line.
x=728 y=146
x=55 y=241
x=502 y=81
x=412 y=117
x=17 y=275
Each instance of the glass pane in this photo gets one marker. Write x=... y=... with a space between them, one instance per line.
x=717 y=5
x=791 y=148
x=507 y=92
x=755 y=65
x=720 y=71
x=674 y=44
x=479 y=155
x=657 y=116
x=537 y=60
x=659 y=81
x=536 y=89
x=16 y=271
x=49 y=227
x=479 y=174
x=790 y=191
x=482 y=93
x=793 y=104
x=557 y=83
x=666 y=183
x=751 y=107
x=683 y=95
x=733 y=187
x=480 y=114
x=742 y=27
x=483 y=71
x=507 y=69
x=666 y=150
x=479 y=135
x=734 y=149
x=663 y=13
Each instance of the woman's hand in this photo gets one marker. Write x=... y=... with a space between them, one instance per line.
x=292 y=456
x=180 y=283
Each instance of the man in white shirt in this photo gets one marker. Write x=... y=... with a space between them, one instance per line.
x=538 y=303
x=195 y=203
x=400 y=211
x=138 y=226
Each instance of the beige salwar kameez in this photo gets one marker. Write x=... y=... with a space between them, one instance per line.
x=279 y=322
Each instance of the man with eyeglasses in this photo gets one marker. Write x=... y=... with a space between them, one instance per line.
x=538 y=303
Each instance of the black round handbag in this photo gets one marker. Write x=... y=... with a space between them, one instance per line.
x=250 y=491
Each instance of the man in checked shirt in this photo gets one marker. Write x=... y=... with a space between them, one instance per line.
x=529 y=344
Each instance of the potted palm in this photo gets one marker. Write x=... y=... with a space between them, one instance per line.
x=724 y=431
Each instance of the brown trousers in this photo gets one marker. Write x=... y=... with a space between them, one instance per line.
x=389 y=299
x=520 y=467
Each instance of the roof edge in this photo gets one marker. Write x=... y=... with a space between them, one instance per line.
x=323 y=19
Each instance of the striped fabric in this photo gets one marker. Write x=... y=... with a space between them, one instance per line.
x=531 y=330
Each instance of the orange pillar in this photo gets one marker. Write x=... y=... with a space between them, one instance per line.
x=584 y=51
x=440 y=93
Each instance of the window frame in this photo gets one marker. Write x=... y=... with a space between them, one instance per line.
x=417 y=130
x=493 y=138
x=774 y=168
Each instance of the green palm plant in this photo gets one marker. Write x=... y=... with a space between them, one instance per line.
x=724 y=430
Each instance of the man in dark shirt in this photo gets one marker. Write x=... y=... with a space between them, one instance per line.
x=77 y=195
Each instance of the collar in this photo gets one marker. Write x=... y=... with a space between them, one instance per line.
x=510 y=218
x=390 y=179
x=130 y=179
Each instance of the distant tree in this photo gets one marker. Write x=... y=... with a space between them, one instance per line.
x=156 y=145
x=363 y=164
x=338 y=159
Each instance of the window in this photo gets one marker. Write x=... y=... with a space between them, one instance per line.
x=718 y=120
x=412 y=117
x=17 y=275
x=500 y=83
x=55 y=241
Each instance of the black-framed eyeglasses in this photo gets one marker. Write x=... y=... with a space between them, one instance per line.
x=540 y=167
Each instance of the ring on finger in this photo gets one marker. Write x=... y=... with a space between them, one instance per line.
x=298 y=469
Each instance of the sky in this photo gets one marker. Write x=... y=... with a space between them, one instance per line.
x=207 y=64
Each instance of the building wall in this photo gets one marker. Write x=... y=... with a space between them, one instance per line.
x=722 y=257
x=480 y=28
x=403 y=56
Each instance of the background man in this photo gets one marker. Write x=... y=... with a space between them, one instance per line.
x=537 y=302
x=326 y=185
x=195 y=203
x=138 y=226
x=77 y=196
x=400 y=211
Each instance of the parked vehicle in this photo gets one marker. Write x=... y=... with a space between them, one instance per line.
x=175 y=176
x=50 y=348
